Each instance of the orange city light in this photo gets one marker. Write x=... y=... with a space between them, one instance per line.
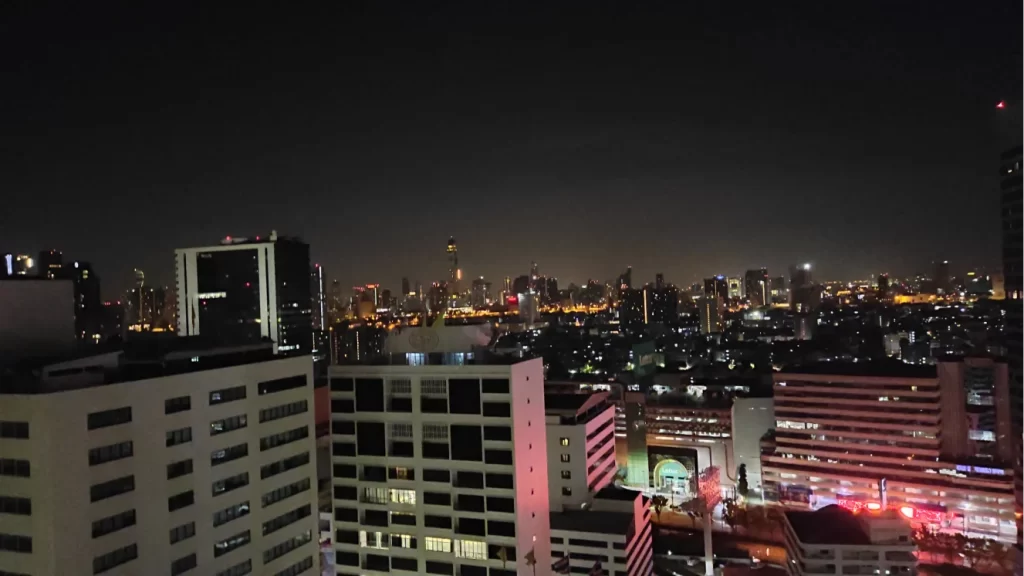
x=874 y=506
x=907 y=511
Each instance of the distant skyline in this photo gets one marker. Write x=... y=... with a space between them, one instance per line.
x=688 y=139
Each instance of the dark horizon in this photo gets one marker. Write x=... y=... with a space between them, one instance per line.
x=690 y=140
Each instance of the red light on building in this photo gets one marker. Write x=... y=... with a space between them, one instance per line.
x=1001 y=105
x=512 y=300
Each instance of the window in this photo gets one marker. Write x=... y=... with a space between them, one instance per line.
x=297 y=568
x=283 y=411
x=179 y=468
x=402 y=473
x=342 y=384
x=282 y=384
x=179 y=501
x=407 y=564
x=374 y=495
x=179 y=436
x=499 y=528
x=564 y=457
x=285 y=492
x=438 y=544
x=566 y=491
x=471 y=549
x=403 y=518
x=347 y=492
x=9 y=466
x=501 y=504
x=498 y=456
x=227 y=424
x=238 y=569
x=227 y=395
x=230 y=483
x=111 y=488
x=400 y=386
x=433 y=386
x=563 y=441
x=495 y=385
x=497 y=409
x=432 y=475
x=15 y=430
x=500 y=433
x=375 y=540
x=401 y=430
x=110 y=560
x=466 y=479
x=437 y=498
x=343 y=406
x=566 y=475
x=182 y=565
x=183 y=532
x=287 y=546
x=435 y=431
x=342 y=514
x=113 y=523
x=110 y=453
x=228 y=454
x=230 y=513
x=179 y=404
x=283 y=520
x=369 y=395
x=345 y=471
x=402 y=496
x=16 y=543
x=432 y=521
x=108 y=418
x=13 y=505
x=287 y=437
x=402 y=541
x=231 y=543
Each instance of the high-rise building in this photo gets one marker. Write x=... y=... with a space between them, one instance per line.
x=336 y=307
x=943 y=282
x=883 y=287
x=551 y=290
x=633 y=307
x=89 y=310
x=481 y=293
x=521 y=285
x=625 y=280
x=778 y=292
x=245 y=290
x=152 y=461
x=406 y=287
x=843 y=428
x=662 y=304
x=710 y=310
x=580 y=448
x=1012 y=194
x=659 y=281
x=735 y=288
x=756 y=287
x=454 y=274
x=50 y=263
x=716 y=287
x=318 y=293
x=804 y=294
x=440 y=468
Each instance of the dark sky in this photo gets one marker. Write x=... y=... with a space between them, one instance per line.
x=682 y=137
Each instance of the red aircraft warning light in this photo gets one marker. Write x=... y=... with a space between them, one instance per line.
x=1001 y=105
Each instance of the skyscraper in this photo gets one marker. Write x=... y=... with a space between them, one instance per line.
x=1012 y=196
x=943 y=283
x=804 y=294
x=756 y=287
x=481 y=293
x=89 y=311
x=245 y=290
x=318 y=292
x=453 y=266
x=716 y=287
x=659 y=281
x=50 y=263
x=735 y=288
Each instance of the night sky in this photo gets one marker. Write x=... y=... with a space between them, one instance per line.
x=676 y=137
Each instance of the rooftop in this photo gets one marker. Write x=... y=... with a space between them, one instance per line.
x=877 y=368
x=612 y=492
x=477 y=358
x=829 y=525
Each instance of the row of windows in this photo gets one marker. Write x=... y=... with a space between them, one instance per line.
x=297 y=568
x=230 y=513
x=227 y=395
x=282 y=438
x=283 y=411
x=228 y=424
x=179 y=436
x=182 y=565
x=230 y=483
x=287 y=546
x=15 y=505
x=12 y=467
x=464 y=479
x=179 y=404
x=113 y=523
x=16 y=543
x=179 y=501
x=108 y=418
x=183 y=532
x=231 y=543
x=180 y=468
x=15 y=430
x=111 y=488
x=110 y=453
x=280 y=466
x=284 y=492
x=285 y=519
x=237 y=569
x=112 y=560
x=281 y=384
x=228 y=454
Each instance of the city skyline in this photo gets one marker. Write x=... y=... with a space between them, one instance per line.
x=375 y=137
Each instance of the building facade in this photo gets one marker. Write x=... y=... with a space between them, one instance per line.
x=613 y=535
x=580 y=447
x=440 y=469
x=195 y=461
x=834 y=540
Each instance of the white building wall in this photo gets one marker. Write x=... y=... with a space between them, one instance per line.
x=751 y=419
x=59 y=487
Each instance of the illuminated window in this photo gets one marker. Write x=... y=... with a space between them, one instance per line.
x=401 y=540
x=438 y=544
x=565 y=457
x=375 y=495
x=563 y=441
x=470 y=549
x=403 y=496
x=373 y=540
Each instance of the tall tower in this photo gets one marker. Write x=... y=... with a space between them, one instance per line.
x=453 y=262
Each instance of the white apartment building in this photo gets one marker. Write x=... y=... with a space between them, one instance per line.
x=614 y=531
x=187 y=460
x=834 y=540
x=580 y=447
x=440 y=468
x=841 y=429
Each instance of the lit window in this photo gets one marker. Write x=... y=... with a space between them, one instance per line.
x=403 y=496
x=373 y=540
x=470 y=549
x=563 y=441
x=439 y=544
x=565 y=457
x=401 y=540
x=375 y=495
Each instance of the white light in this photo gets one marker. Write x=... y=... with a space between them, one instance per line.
x=807 y=266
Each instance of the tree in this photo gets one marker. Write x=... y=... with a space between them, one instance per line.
x=742 y=488
x=658 y=502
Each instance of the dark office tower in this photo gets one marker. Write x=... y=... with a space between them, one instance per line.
x=716 y=287
x=534 y=270
x=1012 y=196
x=521 y=285
x=883 y=286
x=89 y=309
x=551 y=290
x=453 y=266
x=318 y=294
x=756 y=287
x=165 y=308
x=659 y=281
x=50 y=263
x=245 y=290
x=335 y=303
x=633 y=307
x=943 y=283
x=663 y=304
x=625 y=279
x=480 y=295
x=405 y=286
x=804 y=294
x=112 y=323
